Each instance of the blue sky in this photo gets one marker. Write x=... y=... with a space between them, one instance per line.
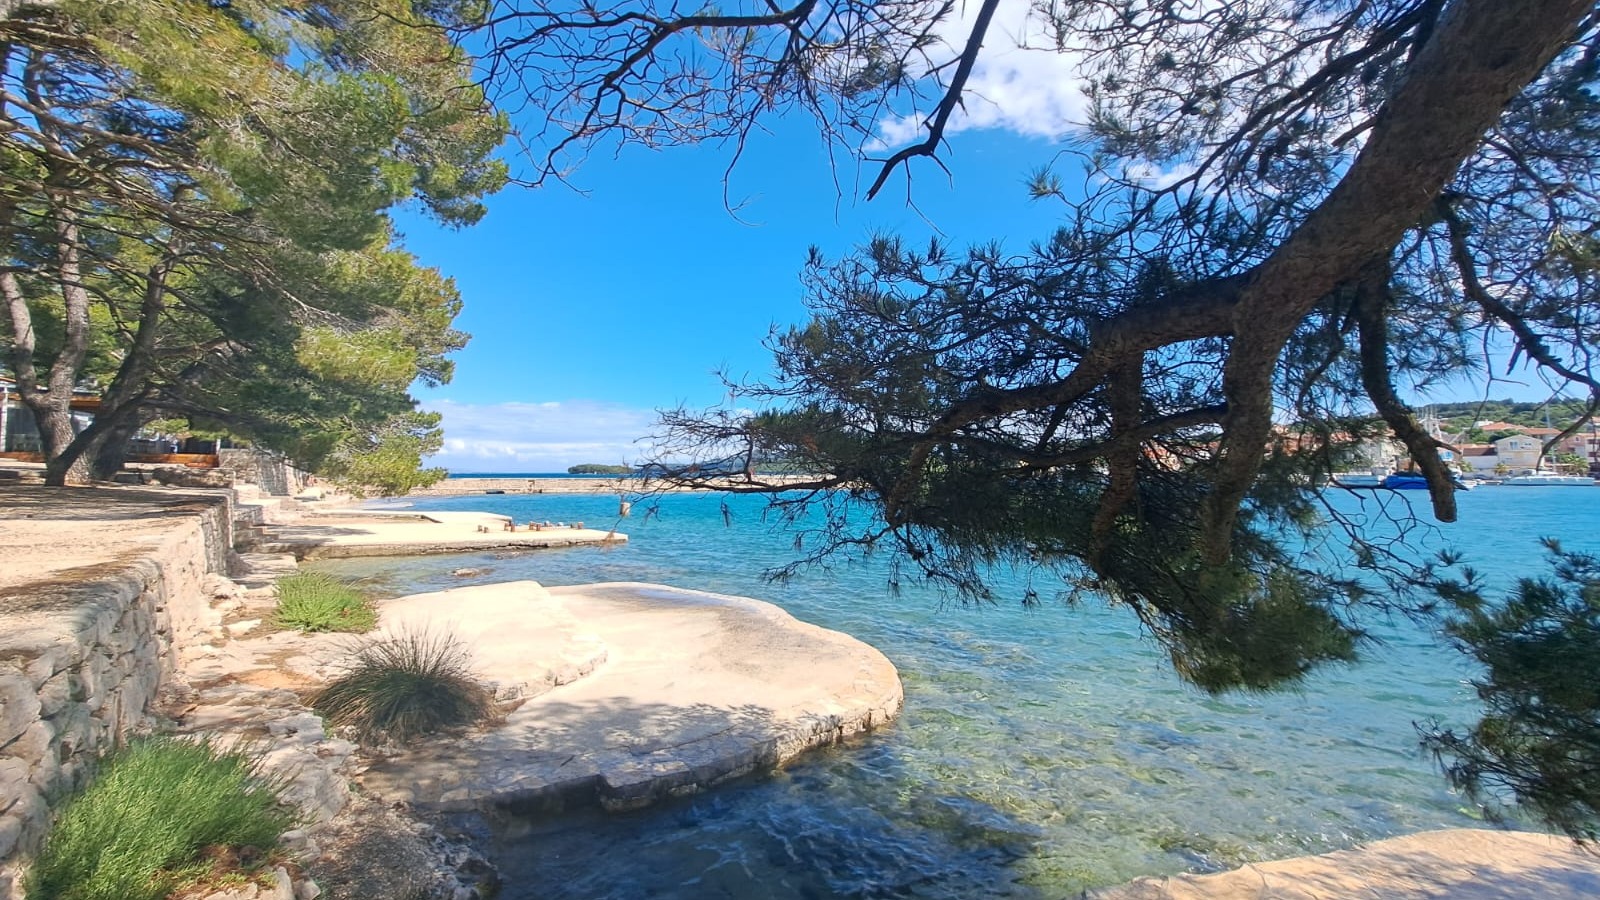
x=594 y=305
x=591 y=310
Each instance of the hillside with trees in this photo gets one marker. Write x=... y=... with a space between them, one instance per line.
x=1463 y=417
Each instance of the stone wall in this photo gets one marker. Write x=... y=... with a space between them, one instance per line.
x=272 y=473
x=84 y=652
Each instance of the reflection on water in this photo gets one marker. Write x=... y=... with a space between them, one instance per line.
x=1041 y=751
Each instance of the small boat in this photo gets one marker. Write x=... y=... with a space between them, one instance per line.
x=1394 y=481
x=1404 y=481
x=1547 y=479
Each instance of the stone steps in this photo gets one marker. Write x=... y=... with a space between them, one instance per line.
x=254 y=570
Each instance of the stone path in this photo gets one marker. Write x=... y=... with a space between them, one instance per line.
x=684 y=689
x=245 y=688
x=1458 y=864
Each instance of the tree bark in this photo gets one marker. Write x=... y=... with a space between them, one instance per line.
x=51 y=409
x=105 y=443
x=62 y=467
x=107 y=458
x=1482 y=53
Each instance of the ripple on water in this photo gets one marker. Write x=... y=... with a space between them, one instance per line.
x=1041 y=751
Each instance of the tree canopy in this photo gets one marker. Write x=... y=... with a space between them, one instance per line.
x=194 y=215
x=1294 y=210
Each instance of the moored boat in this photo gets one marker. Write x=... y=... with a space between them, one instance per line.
x=1394 y=481
x=1547 y=479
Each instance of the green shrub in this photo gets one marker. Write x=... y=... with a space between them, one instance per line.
x=404 y=686
x=137 y=831
x=313 y=601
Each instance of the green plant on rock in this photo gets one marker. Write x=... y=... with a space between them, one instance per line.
x=314 y=601
x=406 y=685
x=139 y=830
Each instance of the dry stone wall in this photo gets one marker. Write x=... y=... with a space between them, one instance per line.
x=83 y=656
x=272 y=473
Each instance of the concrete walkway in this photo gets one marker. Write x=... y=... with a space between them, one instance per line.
x=353 y=532
x=683 y=689
x=1458 y=864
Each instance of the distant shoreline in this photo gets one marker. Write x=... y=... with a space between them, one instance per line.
x=460 y=475
x=563 y=483
x=464 y=484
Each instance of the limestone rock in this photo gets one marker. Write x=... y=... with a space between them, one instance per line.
x=1461 y=864
x=701 y=688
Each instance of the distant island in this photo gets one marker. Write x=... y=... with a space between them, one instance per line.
x=599 y=469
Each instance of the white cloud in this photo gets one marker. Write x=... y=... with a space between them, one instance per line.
x=1035 y=92
x=540 y=437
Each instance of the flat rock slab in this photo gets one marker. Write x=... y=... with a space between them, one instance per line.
x=523 y=642
x=355 y=534
x=696 y=688
x=1459 y=864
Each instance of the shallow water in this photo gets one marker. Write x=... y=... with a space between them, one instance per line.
x=1041 y=750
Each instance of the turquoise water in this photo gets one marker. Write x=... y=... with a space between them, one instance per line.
x=1041 y=750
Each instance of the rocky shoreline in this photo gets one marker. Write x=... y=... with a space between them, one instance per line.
x=630 y=694
x=245 y=687
x=117 y=619
x=199 y=659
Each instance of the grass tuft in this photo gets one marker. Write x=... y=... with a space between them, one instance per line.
x=314 y=601
x=403 y=686
x=142 y=826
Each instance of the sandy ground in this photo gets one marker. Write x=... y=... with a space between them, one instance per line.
x=1459 y=864
x=353 y=532
x=50 y=533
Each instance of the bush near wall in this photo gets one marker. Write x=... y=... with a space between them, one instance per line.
x=146 y=823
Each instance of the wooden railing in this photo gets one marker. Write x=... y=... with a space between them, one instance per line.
x=192 y=460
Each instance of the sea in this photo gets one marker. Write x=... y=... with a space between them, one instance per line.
x=1043 y=749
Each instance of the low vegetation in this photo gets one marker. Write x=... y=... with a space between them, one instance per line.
x=404 y=686
x=313 y=601
x=152 y=818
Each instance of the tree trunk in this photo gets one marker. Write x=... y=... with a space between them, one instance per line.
x=110 y=448
x=53 y=415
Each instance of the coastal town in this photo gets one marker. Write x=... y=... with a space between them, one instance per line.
x=1492 y=452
